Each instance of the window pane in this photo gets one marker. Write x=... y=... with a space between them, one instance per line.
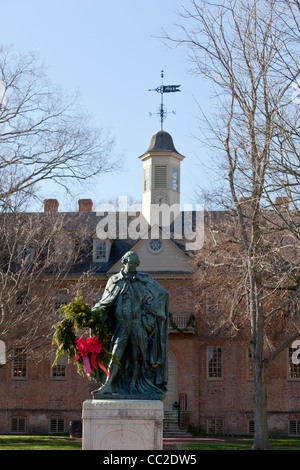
x=294 y=427
x=215 y=362
x=147 y=179
x=100 y=250
x=294 y=368
x=215 y=426
x=57 y=425
x=250 y=368
x=60 y=369
x=20 y=364
x=2 y=352
x=175 y=179
x=17 y=425
x=61 y=297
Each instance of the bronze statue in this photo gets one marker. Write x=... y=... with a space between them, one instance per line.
x=135 y=308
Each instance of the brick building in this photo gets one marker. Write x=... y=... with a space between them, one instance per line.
x=210 y=375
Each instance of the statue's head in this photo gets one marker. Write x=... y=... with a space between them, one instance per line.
x=130 y=261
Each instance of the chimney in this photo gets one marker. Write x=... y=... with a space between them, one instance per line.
x=85 y=205
x=51 y=205
x=282 y=203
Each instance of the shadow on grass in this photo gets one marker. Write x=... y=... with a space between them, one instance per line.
x=239 y=444
x=28 y=442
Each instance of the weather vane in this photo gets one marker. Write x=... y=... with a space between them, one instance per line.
x=164 y=89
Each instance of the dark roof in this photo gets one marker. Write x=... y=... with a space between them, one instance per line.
x=162 y=141
x=84 y=224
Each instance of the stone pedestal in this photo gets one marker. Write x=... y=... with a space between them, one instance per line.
x=122 y=424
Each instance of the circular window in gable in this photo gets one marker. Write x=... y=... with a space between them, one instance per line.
x=155 y=246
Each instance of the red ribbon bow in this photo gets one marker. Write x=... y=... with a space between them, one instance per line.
x=86 y=346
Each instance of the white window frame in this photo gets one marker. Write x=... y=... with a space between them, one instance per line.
x=296 y=424
x=20 y=427
x=57 y=421
x=19 y=362
x=291 y=366
x=59 y=371
x=106 y=251
x=217 y=424
x=147 y=178
x=2 y=352
x=175 y=179
x=221 y=363
x=61 y=297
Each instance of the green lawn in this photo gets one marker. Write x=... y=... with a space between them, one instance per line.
x=50 y=442
x=240 y=444
x=18 y=442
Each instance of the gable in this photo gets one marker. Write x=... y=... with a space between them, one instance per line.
x=158 y=256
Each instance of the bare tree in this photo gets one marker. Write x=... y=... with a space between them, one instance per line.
x=247 y=52
x=38 y=252
x=43 y=132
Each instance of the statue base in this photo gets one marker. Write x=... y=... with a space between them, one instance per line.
x=122 y=424
x=116 y=396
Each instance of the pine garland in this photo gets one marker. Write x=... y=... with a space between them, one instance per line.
x=77 y=317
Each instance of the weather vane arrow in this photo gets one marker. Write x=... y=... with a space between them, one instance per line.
x=164 y=89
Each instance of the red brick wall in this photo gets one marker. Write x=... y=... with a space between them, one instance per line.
x=231 y=398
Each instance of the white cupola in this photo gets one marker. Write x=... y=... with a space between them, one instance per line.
x=161 y=173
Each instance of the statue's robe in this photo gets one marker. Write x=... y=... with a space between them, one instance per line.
x=139 y=305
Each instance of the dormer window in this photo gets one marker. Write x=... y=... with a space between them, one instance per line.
x=26 y=254
x=101 y=250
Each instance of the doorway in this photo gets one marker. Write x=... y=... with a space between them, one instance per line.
x=172 y=393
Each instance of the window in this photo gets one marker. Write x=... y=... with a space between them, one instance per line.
x=249 y=365
x=19 y=365
x=61 y=297
x=146 y=179
x=175 y=179
x=155 y=246
x=294 y=427
x=59 y=371
x=22 y=302
x=26 y=254
x=293 y=364
x=2 y=352
x=215 y=426
x=100 y=251
x=215 y=362
x=17 y=425
x=57 y=425
x=160 y=176
x=251 y=426
x=101 y=248
x=65 y=247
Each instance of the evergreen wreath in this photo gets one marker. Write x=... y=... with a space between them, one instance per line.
x=77 y=317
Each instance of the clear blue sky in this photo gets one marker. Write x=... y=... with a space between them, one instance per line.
x=108 y=51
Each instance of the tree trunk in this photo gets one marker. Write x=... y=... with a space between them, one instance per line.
x=261 y=439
